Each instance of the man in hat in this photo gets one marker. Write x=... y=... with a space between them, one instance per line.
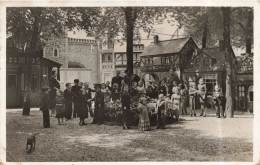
x=117 y=80
x=45 y=106
x=99 y=106
x=75 y=90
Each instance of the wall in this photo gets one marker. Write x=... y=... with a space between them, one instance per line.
x=82 y=51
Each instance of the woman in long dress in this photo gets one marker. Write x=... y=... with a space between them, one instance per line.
x=54 y=86
x=144 y=121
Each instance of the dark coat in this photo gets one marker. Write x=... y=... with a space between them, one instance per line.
x=118 y=80
x=75 y=90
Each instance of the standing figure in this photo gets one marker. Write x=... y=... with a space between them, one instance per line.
x=202 y=93
x=60 y=112
x=162 y=88
x=54 y=86
x=161 y=108
x=125 y=99
x=183 y=93
x=117 y=80
x=107 y=97
x=68 y=101
x=76 y=94
x=192 y=98
x=88 y=97
x=83 y=110
x=218 y=98
x=141 y=89
x=115 y=93
x=144 y=121
x=99 y=106
x=127 y=78
x=176 y=99
x=134 y=90
x=108 y=86
x=45 y=107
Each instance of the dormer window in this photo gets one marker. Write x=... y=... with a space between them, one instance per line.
x=197 y=62
x=56 y=53
x=206 y=62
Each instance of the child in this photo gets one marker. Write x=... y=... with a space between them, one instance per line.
x=125 y=99
x=218 y=98
x=144 y=121
x=176 y=98
x=45 y=107
x=83 y=111
x=161 y=108
x=60 y=107
x=115 y=94
x=202 y=93
x=192 y=95
x=183 y=93
x=68 y=101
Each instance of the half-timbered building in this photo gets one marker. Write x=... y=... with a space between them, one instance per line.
x=161 y=59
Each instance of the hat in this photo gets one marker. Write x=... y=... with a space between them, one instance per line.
x=97 y=85
x=44 y=88
x=76 y=81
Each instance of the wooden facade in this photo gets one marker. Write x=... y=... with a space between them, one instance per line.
x=16 y=75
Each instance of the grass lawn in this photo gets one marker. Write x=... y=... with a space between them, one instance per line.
x=194 y=139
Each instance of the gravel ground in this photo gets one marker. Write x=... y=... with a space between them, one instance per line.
x=195 y=139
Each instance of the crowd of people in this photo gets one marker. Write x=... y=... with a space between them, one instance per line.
x=130 y=92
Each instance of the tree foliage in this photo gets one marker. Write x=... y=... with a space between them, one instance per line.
x=196 y=20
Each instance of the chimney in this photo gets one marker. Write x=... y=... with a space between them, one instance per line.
x=156 y=39
x=221 y=44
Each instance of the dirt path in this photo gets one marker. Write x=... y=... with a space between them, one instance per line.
x=195 y=139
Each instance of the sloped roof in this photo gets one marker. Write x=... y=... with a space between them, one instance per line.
x=121 y=47
x=165 y=47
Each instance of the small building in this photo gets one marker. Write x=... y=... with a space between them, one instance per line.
x=16 y=74
x=168 y=58
x=244 y=83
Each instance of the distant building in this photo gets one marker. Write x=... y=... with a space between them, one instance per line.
x=16 y=74
x=79 y=58
x=168 y=58
x=244 y=83
x=114 y=57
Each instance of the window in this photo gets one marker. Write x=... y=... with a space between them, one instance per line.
x=136 y=57
x=197 y=62
x=11 y=81
x=210 y=81
x=121 y=59
x=206 y=62
x=56 y=53
x=148 y=60
x=107 y=57
x=241 y=95
x=34 y=81
x=165 y=60
x=251 y=96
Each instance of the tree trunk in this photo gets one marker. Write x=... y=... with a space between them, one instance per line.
x=27 y=96
x=228 y=63
x=130 y=19
x=205 y=33
x=248 y=31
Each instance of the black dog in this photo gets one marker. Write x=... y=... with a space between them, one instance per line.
x=31 y=141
